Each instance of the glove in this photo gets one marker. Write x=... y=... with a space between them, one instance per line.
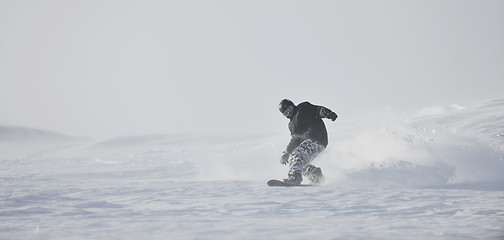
x=285 y=158
x=326 y=113
x=332 y=116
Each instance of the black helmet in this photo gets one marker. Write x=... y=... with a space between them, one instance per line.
x=286 y=106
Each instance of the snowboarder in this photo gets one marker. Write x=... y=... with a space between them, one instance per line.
x=308 y=139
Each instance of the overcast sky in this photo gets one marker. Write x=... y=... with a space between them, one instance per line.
x=108 y=68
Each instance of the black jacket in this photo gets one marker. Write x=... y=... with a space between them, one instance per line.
x=306 y=123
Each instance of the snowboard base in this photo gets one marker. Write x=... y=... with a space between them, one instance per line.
x=278 y=183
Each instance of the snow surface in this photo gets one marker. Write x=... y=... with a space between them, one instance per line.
x=435 y=175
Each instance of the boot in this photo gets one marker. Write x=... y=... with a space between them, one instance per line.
x=294 y=178
x=316 y=176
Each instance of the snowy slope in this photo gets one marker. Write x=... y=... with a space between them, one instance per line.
x=27 y=135
x=434 y=175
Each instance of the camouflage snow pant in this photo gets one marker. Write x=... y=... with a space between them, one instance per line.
x=301 y=157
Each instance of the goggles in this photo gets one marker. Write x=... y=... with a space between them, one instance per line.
x=288 y=111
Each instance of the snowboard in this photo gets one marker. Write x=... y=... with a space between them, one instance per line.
x=278 y=183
